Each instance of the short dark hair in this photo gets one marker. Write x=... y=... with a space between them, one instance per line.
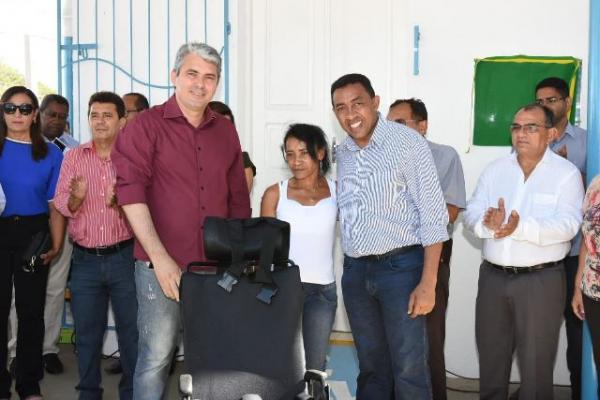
x=548 y=114
x=556 y=83
x=39 y=147
x=417 y=108
x=315 y=140
x=221 y=108
x=141 y=102
x=53 y=98
x=108 y=97
x=350 y=79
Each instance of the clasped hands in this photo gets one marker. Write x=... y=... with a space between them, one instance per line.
x=493 y=219
x=78 y=188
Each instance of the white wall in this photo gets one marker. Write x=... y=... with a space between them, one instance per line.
x=453 y=34
x=375 y=38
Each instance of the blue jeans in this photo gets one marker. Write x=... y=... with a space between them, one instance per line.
x=320 y=302
x=391 y=346
x=95 y=280
x=158 y=324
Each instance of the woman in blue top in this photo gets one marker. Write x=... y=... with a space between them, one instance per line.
x=308 y=202
x=29 y=169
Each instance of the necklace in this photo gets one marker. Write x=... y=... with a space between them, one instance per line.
x=312 y=193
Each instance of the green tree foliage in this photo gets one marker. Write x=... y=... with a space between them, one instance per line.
x=43 y=90
x=10 y=76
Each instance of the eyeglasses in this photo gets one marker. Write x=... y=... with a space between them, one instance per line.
x=527 y=128
x=56 y=115
x=406 y=121
x=548 y=100
x=11 y=108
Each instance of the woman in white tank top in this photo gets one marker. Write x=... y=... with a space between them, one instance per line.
x=308 y=202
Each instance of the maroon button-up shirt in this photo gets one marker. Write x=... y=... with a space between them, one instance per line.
x=182 y=173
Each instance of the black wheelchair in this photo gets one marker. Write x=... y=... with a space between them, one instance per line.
x=242 y=317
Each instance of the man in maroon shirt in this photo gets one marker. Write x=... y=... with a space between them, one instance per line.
x=176 y=164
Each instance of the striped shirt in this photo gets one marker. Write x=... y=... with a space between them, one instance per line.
x=94 y=224
x=389 y=195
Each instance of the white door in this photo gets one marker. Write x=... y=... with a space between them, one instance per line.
x=290 y=52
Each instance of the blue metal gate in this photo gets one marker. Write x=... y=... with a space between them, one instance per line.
x=129 y=46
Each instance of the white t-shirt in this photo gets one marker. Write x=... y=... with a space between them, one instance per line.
x=312 y=234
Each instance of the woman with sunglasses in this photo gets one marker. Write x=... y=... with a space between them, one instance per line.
x=308 y=202
x=586 y=294
x=29 y=169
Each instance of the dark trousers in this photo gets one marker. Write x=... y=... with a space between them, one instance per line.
x=391 y=346
x=95 y=280
x=592 y=315
x=30 y=295
x=521 y=312
x=436 y=325
x=573 y=326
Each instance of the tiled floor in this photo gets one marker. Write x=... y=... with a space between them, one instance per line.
x=342 y=369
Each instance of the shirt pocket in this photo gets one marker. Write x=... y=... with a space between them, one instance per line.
x=543 y=205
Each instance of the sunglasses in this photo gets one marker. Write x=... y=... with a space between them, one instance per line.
x=11 y=108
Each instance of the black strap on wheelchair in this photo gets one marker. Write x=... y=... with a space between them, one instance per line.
x=262 y=274
x=235 y=270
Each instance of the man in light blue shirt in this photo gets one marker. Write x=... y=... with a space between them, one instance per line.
x=571 y=143
x=413 y=113
x=393 y=221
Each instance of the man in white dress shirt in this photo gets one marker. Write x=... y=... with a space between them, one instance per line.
x=526 y=208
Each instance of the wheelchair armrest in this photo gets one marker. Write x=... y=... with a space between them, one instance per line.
x=186 y=387
x=317 y=388
x=315 y=375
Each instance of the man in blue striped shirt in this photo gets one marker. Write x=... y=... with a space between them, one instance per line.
x=393 y=220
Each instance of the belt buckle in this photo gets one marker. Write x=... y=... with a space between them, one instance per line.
x=514 y=270
x=98 y=250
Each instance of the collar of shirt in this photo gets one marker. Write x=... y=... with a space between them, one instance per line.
x=545 y=159
x=89 y=147
x=569 y=130
x=172 y=110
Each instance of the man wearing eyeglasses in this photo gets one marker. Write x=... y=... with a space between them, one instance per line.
x=526 y=207
x=135 y=103
x=54 y=112
x=413 y=113
x=571 y=143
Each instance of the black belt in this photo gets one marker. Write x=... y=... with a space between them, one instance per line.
x=104 y=250
x=391 y=253
x=522 y=270
x=17 y=218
